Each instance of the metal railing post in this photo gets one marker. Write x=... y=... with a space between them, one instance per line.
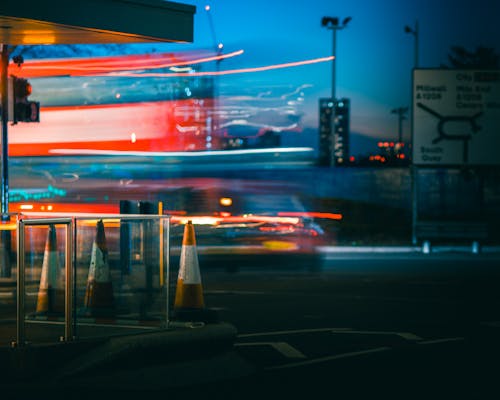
x=167 y=277
x=20 y=334
x=21 y=250
x=68 y=298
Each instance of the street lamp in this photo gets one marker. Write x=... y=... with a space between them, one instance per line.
x=333 y=24
x=400 y=111
x=413 y=167
x=414 y=32
x=218 y=47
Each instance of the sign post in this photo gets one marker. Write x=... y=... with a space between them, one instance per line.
x=4 y=198
x=5 y=236
x=455 y=122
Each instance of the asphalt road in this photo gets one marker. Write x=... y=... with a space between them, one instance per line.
x=354 y=326
x=364 y=326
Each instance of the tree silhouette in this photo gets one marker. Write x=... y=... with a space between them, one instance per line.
x=480 y=58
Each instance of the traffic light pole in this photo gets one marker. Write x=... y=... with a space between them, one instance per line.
x=4 y=197
x=5 y=236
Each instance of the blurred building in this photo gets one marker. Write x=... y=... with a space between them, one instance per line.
x=334 y=129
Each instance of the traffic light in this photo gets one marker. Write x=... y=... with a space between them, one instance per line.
x=22 y=89
x=23 y=109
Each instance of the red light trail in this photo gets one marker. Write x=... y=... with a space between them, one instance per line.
x=102 y=65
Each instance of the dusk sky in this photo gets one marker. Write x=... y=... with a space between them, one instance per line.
x=375 y=58
x=374 y=54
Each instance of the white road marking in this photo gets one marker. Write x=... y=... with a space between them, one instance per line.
x=219 y=308
x=444 y=340
x=291 y=332
x=404 y=335
x=281 y=347
x=329 y=358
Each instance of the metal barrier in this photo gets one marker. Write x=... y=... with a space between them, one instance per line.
x=146 y=288
x=69 y=268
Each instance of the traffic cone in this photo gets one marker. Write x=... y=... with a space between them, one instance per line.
x=189 y=293
x=189 y=304
x=50 y=299
x=99 y=299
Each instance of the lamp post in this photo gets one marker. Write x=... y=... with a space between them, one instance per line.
x=218 y=47
x=414 y=32
x=4 y=67
x=413 y=167
x=332 y=23
x=5 y=235
x=401 y=112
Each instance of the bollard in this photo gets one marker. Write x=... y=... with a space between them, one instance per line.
x=476 y=248
x=126 y=207
x=426 y=247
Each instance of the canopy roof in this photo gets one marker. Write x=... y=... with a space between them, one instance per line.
x=31 y=22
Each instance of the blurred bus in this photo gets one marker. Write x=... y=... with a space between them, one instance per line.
x=87 y=106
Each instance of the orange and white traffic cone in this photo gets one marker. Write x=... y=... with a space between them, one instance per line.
x=51 y=292
x=99 y=299
x=189 y=293
x=189 y=303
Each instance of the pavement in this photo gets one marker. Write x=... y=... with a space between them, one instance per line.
x=181 y=341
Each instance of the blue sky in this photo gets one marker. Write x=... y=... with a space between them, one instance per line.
x=374 y=61
x=374 y=54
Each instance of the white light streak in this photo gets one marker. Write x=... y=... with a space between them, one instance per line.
x=214 y=153
x=225 y=72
